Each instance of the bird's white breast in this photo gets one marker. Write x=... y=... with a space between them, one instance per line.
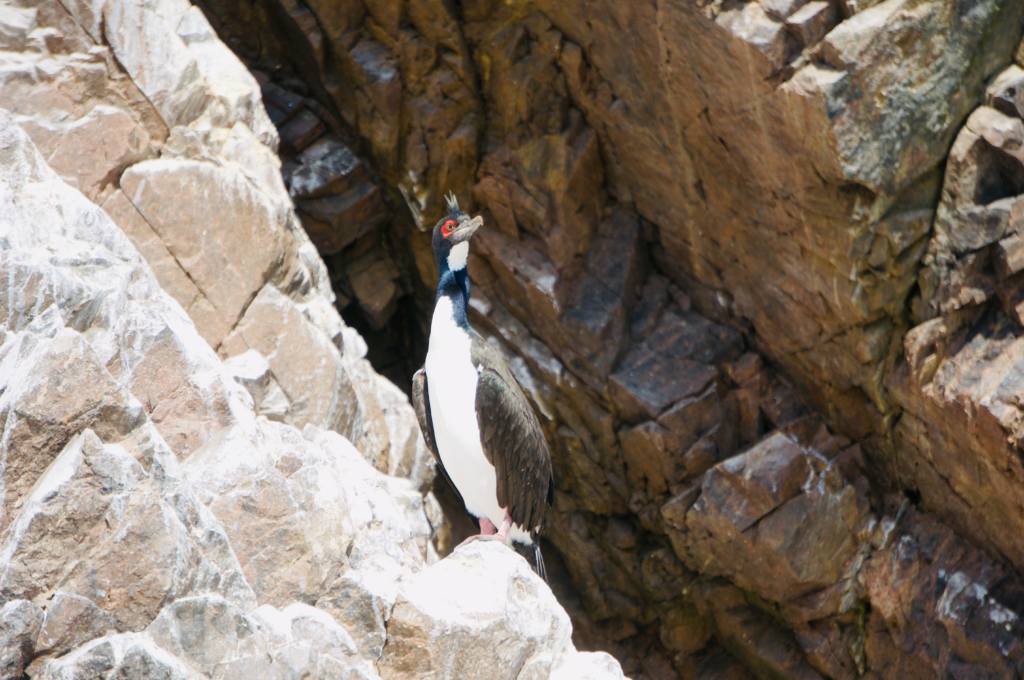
x=451 y=384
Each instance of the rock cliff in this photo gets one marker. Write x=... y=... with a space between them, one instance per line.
x=757 y=263
x=203 y=477
x=784 y=230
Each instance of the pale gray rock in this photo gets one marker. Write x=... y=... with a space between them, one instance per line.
x=480 y=613
x=96 y=525
x=173 y=279
x=587 y=666
x=329 y=384
x=362 y=598
x=54 y=386
x=20 y=622
x=208 y=632
x=251 y=370
x=234 y=93
x=408 y=457
x=384 y=425
x=130 y=656
x=63 y=252
x=762 y=30
x=228 y=237
x=261 y=166
x=220 y=641
x=302 y=513
x=71 y=620
x=141 y=34
x=317 y=386
x=309 y=643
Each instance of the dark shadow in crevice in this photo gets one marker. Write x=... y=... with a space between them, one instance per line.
x=396 y=350
x=1000 y=175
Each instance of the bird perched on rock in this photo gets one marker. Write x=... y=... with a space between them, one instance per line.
x=473 y=414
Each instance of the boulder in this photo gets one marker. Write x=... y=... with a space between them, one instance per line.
x=197 y=237
x=132 y=550
x=772 y=520
x=142 y=36
x=129 y=655
x=301 y=513
x=71 y=620
x=480 y=613
x=209 y=633
x=20 y=622
x=234 y=93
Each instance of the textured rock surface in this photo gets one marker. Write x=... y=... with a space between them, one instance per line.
x=756 y=263
x=501 y=612
x=154 y=523
x=708 y=221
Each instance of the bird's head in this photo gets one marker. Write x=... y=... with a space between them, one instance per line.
x=452 y=234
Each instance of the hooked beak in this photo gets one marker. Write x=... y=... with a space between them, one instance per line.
x=467 y=228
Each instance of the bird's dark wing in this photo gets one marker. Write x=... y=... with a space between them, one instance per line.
x=421 y=403
x=512 y=439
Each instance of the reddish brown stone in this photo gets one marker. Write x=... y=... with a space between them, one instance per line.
x=1009 y=256
x=647 y=313
x=747 y=487
x=301 y=131
x=1011 y=295
x=647 y=383
x=812 y=21
x=287 y=103
x=338 y=221
x=325 y=167
x=1006 y=93
x=374 y=281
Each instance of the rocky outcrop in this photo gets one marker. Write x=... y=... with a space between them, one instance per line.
x=204 y=134
x=202 y=475
x=758 y=275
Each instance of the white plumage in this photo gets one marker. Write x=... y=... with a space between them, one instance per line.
x=451 y=384
x=458 y=256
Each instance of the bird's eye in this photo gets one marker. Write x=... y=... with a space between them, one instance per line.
x=447 y=228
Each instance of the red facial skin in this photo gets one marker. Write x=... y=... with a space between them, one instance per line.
x=447 y=228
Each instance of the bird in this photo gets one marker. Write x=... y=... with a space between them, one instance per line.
x=473 y=414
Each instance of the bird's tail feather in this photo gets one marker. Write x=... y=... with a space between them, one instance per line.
x=539 y=564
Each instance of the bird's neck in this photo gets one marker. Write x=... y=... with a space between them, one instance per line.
x=455 y=286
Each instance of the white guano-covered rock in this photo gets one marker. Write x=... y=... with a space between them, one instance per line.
x=96 y=525
x=235 y=94
x=481 y=613
x=131 y=656
x=142 y=36
x=587 y=666
x=301 y=513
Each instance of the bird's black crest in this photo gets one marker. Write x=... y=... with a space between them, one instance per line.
x=452 y=202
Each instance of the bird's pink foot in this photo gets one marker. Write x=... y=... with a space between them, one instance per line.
x=488 y=532
x=506 y=526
